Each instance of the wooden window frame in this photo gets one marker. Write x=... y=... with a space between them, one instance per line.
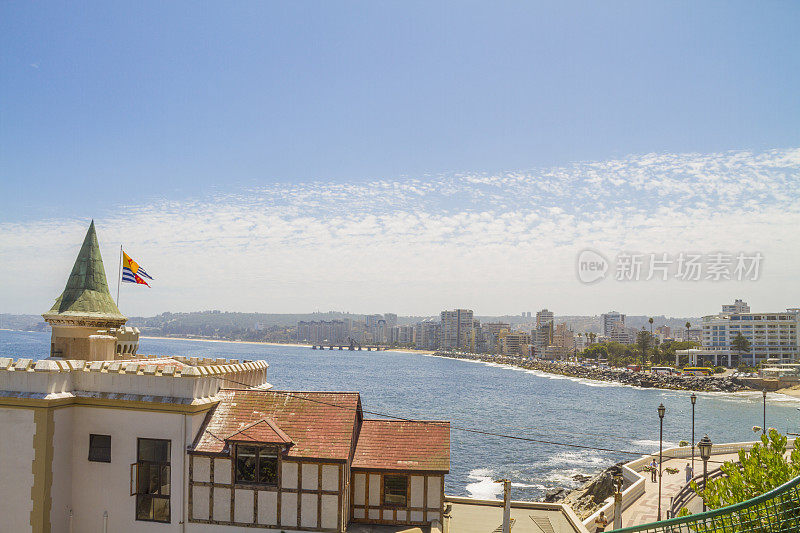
x=158 y=495
x=385 y=503
x=272 y=450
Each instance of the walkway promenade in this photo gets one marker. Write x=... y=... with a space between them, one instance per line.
x=645 y=508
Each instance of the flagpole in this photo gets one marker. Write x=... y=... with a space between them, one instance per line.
x=119 y=273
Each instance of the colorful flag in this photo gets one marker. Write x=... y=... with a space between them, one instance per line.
x=132 y=272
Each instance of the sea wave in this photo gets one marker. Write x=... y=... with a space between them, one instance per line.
x=587 y=459
x=484 y=488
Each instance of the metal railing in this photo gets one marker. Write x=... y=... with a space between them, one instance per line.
x=686 y=494
x=777 y=511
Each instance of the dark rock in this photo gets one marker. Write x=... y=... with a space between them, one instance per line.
x=555 y=495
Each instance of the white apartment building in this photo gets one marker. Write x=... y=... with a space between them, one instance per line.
x=771 y=335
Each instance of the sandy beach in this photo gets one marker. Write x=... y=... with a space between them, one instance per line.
x=790 y=391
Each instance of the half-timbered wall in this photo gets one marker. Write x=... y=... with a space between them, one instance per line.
x=425 y=494
x=309 y=496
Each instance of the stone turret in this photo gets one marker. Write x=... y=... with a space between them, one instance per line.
x=85 y=320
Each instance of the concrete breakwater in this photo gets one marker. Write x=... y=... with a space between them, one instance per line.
x=639 y=379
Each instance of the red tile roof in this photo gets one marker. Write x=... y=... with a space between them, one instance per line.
x=320 y=424
x=403 y=445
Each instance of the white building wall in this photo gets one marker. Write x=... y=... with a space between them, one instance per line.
x=99 y=487
x=16 y=458
x=61 y=489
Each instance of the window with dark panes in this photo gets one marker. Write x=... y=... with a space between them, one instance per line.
x=256 y=464
x=395 y=490
x=100 y=448
x=152 y=480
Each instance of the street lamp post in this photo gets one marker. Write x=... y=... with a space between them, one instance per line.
x=764 y=425
x=705 y=454
x=693 y=398
x=661 y=411
x=618 y=480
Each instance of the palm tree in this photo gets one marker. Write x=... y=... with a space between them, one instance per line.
x=643 y=341
x=688 y=325
x=740 y=344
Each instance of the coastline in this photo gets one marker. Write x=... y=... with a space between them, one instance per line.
x=290 y=344
x=620 y=376
x=548 y=367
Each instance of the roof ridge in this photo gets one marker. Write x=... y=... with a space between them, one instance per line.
x=269 y=422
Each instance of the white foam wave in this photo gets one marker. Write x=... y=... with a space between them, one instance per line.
x=484 y=487
x=576 y=458
x=528 y=486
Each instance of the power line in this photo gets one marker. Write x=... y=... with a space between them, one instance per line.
x=456 y=427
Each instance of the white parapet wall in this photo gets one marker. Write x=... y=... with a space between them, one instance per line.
x=178 y=378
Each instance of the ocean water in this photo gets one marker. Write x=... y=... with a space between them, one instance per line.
x=494 y=398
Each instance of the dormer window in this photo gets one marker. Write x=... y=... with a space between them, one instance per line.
x=256 y=464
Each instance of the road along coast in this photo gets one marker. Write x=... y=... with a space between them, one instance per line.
x=617 y=375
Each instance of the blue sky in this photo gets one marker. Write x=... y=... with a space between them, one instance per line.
x=174 y=113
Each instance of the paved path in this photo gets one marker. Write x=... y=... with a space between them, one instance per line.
x=645 y=509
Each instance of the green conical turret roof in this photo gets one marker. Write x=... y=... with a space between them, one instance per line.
x=86 y=294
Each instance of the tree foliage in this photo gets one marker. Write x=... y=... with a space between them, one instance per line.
x=740 y=343
x=762 y=468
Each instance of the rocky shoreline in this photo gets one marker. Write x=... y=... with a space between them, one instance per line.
x=616 y=375
x=590 y=496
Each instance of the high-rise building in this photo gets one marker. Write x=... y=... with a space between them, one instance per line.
x=391 y=319
x=543 y=317
x=611 y=319
x=426 y=334
x=456 y=328
x=542 y=337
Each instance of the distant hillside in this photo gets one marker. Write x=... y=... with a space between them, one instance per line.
x=279 y=327
x=23 y=322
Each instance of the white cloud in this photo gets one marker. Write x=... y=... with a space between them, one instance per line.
x=497 y=243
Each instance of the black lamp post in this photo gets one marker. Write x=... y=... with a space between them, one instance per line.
x=661 y=411
x=764 y=425
x=705 y=455
x=693 y=398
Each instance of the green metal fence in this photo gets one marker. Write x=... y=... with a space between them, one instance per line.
x=777 y=511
